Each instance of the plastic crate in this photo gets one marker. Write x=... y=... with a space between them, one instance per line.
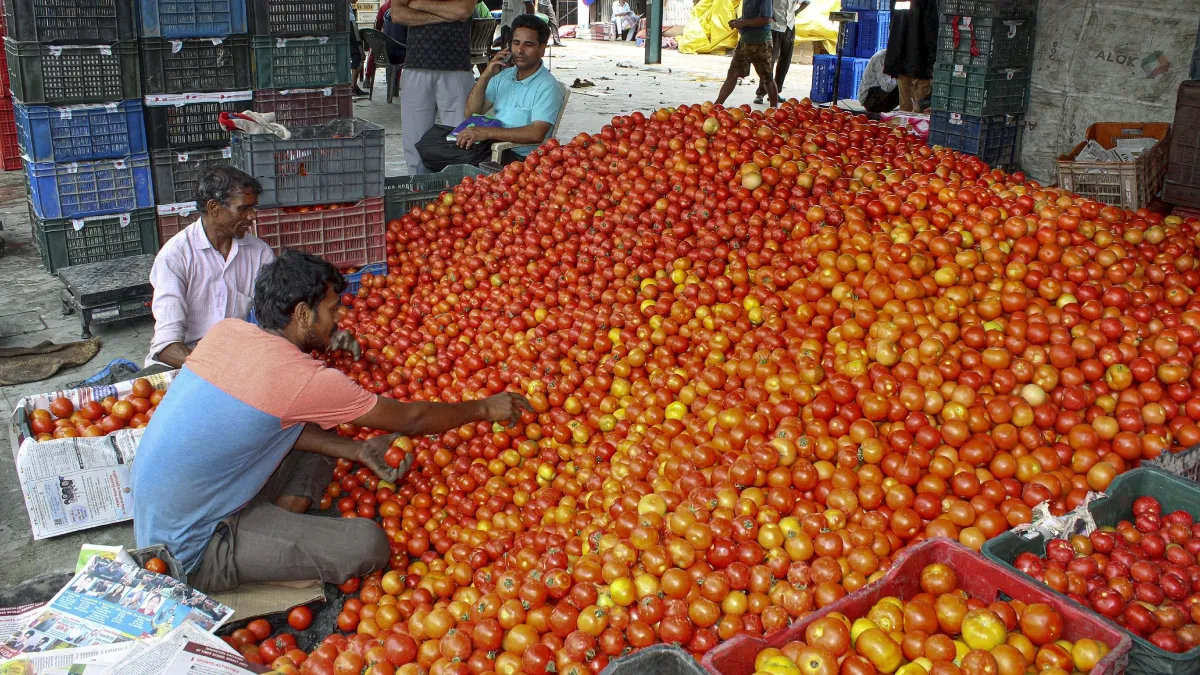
x=192 y=18
x=1175 y=493
x=176 y=173
x=78 y=133
x=97 y=188
x=67 y=74
x=336 y=162
x=299 y=63
x=985 y=41
x=172 y=218
x=822 y=79
x=70 y=21
x=869 y=35
x=295 y=108
x=291 y=18
x=64 y=242
x=10 y=149
x=1130 y=185
x=1007 y=9
x=973 y=90
x=185 y=66
x=354 y=279
x=852 y=73
x=404 y=193
x=868 y=5
x=656 y=659
x=996 y=139
x=1182 y=184
x=977 y=575
x=348 y=236
x=173 y=124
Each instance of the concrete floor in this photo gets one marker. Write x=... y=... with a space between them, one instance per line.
x=30 y=311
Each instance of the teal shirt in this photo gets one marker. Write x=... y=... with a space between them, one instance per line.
x=753 y=9
x=519 y=103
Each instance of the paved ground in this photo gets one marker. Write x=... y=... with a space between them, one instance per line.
x=30 y=311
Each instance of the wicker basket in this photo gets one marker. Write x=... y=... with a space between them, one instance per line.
x=1130 y=185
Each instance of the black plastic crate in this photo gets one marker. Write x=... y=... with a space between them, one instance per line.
x=985 y=41
x=293 y=18
x=300 y=63
x=973 y=90
x=66 y=74
x=337 y=162
x=196 y=65
x=305 y=107
x=177 y=173
x=64 y=242
x=996 y=139
x=1006 y=9
x=194 y=124
x=71 y=21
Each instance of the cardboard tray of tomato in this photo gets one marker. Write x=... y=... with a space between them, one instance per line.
x=1174 y=493
x=977 y=575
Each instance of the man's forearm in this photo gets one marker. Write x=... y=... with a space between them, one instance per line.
x=173 y=354
x=407 y=16
x=421 y=418
x=477 y=99
x=448 y=10
x=316 y=440
x=758 y=22
x=526 y=135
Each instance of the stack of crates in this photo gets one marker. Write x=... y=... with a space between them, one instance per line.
x=981 y=78
x=861 y=40
x=76 y=90
x=10 y=151
x=195 y=64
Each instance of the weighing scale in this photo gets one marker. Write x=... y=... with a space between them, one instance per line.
x=108 y=291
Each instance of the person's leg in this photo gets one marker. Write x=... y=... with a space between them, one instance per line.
x=762 y=67
x=418 y=112
x=452 y=88
x=776 y=40
x=552 y=15
x=739 y=67
x=783 y=58
x=921 y=89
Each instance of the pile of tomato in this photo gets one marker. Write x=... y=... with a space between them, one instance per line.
x=96 y=418
x=767 y=351
x=940 y=631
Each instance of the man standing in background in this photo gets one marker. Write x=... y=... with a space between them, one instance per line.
x=547 y=7
x=911 y=51
x=783 y=39
x=437 y=69
x=510 y=10
x=753 y=49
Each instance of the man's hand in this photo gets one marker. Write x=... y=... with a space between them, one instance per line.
x=371 y=455
x=735 y=24
x=506 y=407
x=344 y=340
x=498 y=63
x=472 y=135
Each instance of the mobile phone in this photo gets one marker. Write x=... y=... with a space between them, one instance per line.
x=507 y=60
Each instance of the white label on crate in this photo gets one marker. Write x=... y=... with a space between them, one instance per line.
x=179 y=209
x=280 y=43
x=55 y=50
x=1011 y=72
x=72 y=167
x=956 y=118
x=227 y=153
x=64 y=112
x=78 y=223
x=181 y=157
x=903 y=5
x=176 y=46
x=1012 y=28
x=120 y=164
x=125 y=219
x=217 y=40
x=106 y=50
x=328 y=91
x=166 y=99
x=960 y=70
x=323 y=40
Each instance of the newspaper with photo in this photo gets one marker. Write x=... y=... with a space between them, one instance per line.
x=109 y=603
x=152 y=657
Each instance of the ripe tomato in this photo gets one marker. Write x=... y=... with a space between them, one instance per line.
x=300 y=618
x=157 y=566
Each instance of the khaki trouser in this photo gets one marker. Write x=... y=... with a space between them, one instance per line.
x=263 y=542
x=912 y=90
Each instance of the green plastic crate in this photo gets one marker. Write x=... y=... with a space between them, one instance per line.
x=299 y=63
x=64 y=242
x=1175 y=493
x=402 y=193
x=985 y=41
x=974 y=90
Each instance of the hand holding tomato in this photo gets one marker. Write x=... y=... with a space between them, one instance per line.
x=372 y=453
x=345 y=341
x=506 y=407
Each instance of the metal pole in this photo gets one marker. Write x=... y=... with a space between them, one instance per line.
x=654 y=33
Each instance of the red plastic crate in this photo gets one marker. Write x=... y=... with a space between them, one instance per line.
x=305 y=107
x=349 y=236
x=977 y=575
x=172 y=218
x=1186 y=212
x=10 y=151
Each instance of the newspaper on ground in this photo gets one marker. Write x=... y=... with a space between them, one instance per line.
x=110 y=603
x=198 y=659
x=12 y=618
x=46 y=662
x=89 y=551
x=153 y=657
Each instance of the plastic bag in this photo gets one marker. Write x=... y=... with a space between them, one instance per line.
x=708 y=28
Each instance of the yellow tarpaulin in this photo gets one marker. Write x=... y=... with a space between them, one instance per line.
x=708 y=29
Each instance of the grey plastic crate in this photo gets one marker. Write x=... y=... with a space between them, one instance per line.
x=66 y=74
x=176 y=173
x=333 y=163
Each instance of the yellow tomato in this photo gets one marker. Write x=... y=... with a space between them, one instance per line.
x=982 y=629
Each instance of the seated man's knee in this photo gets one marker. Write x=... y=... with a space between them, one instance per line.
x=366 y=548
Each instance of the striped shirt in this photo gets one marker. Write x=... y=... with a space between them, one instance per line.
x=195 y=286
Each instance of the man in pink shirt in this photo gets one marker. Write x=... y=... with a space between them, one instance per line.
x=206 y=273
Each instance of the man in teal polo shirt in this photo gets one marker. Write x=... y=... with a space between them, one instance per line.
x=753 y=49
x=522 y=96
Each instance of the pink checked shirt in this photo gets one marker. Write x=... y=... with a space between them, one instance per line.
x=194 y=287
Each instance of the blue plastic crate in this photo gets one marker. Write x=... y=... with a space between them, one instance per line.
x=97 y=188
x=995 y=139
x=869 y=35
x=81 y=132
x=822 y=80
x=354 y=279
x=852 y=73
x=192 y=18
x=868 y=5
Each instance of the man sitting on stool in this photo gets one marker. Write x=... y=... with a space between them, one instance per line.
x=525 y=99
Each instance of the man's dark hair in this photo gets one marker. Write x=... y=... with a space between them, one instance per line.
x=533 y=23
x=294 y=277
x=222 y=183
